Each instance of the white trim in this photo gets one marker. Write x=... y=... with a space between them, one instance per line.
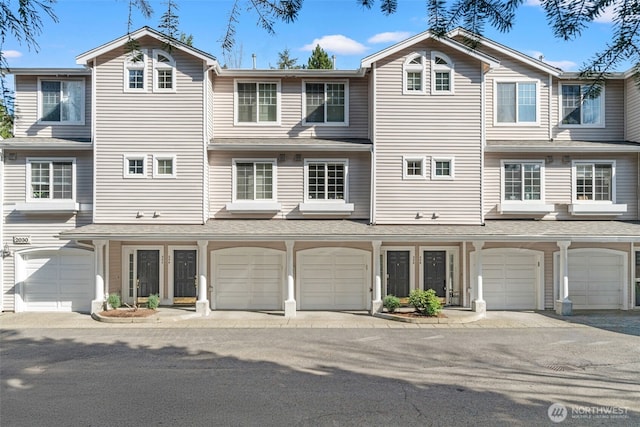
x=450 y=68
x=171 y=262
x=635 y=279
x=452 y=174
x=523 y=206
x=423 y=167
x=345 y=122
x=125 y=165
x=412 y=266
x=278 y=84
x=51 y=160
x=171 y=65
x=517 y=82
x=133 y=249
x=414 y=68
x=238 y=203
x=335 y=202
x=174 y=166
x=452 y=276
x=595 y=207
x=83 y=101
x=128 y=65
x=601 y=98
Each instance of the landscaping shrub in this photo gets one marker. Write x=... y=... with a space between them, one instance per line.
x=114 y=301
x=425 y=302
x=391 y=303
x=153 y=301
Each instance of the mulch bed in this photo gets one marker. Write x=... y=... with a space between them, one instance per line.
x=129 y=313
x=416 y=315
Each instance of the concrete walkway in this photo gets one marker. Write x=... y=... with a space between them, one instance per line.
x=175 y=317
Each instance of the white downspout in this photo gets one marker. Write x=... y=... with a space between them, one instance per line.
x=550 y=106
x=483 y=138
x=2 y=181
x=373 y=128
x=94 y=107
x=205 y=143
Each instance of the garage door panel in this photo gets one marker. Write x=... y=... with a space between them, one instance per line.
x=596 y=278
x=509 y=280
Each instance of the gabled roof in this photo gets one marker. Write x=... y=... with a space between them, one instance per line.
x=448 y=41
x=84 y=58
x=519 y=56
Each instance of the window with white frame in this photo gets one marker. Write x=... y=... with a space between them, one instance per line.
x=522 y=181
x=441 y=73
x=325 y=103
x=581 y=105
x=135 y=70
x=516 y=102
x=442 y=168
x=254 y=180
x=51 y=179
x=326 y=180
x=135 y=166
x=594 y=181
x=164 y=72
x=164 y=166
x=257 y=102
x=413 y=72
x=61 y=101
x=413 y=167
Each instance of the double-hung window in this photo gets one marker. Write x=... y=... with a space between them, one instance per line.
x=51 y=179
x=516 y=102
x=581 y=105
x=441 y=74
x=326 y=187
x=254 y=186
x=257 y=102
x=413 y=73
x=135 y=71
x=62 y=101
x=164 y=72
x=594 y=188
x=325 y=103
x=523 y=188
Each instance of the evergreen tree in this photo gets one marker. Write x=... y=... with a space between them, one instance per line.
x=319 y=59
x=6 y=120
x=169 y=25
x=186 y=39
x=285 y=62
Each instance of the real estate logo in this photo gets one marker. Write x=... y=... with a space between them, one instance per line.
x=557 y=412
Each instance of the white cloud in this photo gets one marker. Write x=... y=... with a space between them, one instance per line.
x=532 y=3
x=389 y=37
x=11 y=54
x=606 y=17
x=564 y=65
x=337 y=43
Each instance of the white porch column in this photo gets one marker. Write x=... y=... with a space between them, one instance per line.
x=376 y=303
x=290 y=302
x=564 y=306
x=202 y=304
x=98 y=301
x=478 y=305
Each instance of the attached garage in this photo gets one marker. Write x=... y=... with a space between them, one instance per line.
x=248 y=279
x=333 y=279
x=511 y=278
x=596 y=278
x=55 y=280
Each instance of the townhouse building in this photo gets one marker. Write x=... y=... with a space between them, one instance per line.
x=489 y=176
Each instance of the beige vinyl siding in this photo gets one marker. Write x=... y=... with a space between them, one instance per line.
x=430 y=126
x=290 y=182
x=151 y=124
x=41 y=228
x=632 y=110
x=26 y=111
x=558 y=183
x=613 y=116
x=291 y=114
x=513 y=71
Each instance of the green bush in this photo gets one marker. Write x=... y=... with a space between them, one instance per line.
x=114 y=301
x=425 y=302
x=391 y=303
x=153 y=301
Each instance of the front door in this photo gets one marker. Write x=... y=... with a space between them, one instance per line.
x=148 y=273
x=398 y=272
x=435 y=272
x=184 y=276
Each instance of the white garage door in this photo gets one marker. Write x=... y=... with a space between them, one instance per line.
x=248 y=279
x=61 y=280
x=596 y=279
x=509 y=279
x=333 y=279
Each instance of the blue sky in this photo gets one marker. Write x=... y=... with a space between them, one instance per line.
x=341 y=27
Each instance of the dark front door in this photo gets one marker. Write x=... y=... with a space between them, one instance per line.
x=435 y=272
x=148 y=267
x=398 y=265
x=184 y=273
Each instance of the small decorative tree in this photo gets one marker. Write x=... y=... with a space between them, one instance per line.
x=425 y=302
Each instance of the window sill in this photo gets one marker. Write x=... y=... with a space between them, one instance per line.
x=326 y=208
x=48 y=207
x=525 y=208
x=597 y=209
x=254 y=207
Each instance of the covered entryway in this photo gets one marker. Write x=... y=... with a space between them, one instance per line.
x=333 y=278
x=511 y=278
x=55 y=280
x=597 y=278
x=184 y=274
x=398 y=272
x=247 y=279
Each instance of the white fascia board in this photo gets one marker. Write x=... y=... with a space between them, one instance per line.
x=56 y=72
x=301 y=73
x=561 y=149
x=291 y=147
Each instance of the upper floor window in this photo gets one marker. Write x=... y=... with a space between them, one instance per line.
x=325 y=103
x=441 y=74
x=51 y=179
x=516 y=102
x=254 y=180
x=413 y=71
x=326 y=180
x=442 y=168
x=62 y=101
x=135 y=71
x=135 y=165
x=257 y=102
x=594 y=181
x=164 y=72
x=581 y=105
x=414 y=167
x=164 y=166
x=522 y=181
